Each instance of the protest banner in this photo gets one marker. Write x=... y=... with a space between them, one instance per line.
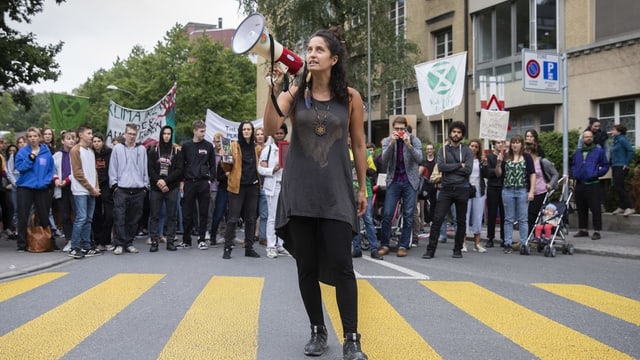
x=150 y=121
x=494 y=124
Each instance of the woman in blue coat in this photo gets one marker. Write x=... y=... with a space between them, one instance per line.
x=621 y=157
x=35 y=164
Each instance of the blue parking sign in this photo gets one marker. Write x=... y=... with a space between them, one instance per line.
x=550 y=70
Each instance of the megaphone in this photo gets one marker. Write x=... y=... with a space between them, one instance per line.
x=252 y=36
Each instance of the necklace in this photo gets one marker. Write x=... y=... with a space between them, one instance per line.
x=321 y=126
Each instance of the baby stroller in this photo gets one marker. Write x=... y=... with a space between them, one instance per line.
x=560 y=228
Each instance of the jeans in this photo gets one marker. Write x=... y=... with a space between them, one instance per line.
x=516 y=208
x=222 y=200
x=369 y=228
x=273 y=240
x=263 y=213
x=457 y=195
x=156 y=200
x=395 y=191
x=475 y=210
x=81 y=234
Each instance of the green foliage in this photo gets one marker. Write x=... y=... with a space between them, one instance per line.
x=22 y=60
x=551 y=143
x=292 y=22
x=207 y=76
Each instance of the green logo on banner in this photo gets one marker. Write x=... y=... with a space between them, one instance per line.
x=442 y=77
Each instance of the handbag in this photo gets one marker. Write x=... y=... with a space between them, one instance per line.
x=472 y=191
x=436 y=175
x=38 y=237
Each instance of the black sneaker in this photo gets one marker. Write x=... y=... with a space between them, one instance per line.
x=457 y=254
x=507 y=249
x=595 y=236
x=76 y=253
x=489 y=243
x=429 y=254
x=581 y=233
x=91 y=252
x=356 y=254
x=317 y=344
x=227 y=253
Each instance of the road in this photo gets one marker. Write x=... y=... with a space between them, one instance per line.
x=191 y=304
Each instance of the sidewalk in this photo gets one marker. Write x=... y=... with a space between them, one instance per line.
x=12 y=263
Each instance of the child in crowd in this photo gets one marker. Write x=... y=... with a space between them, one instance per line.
x=549 y=220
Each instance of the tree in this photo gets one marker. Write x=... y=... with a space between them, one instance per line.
x=293 y=21
x=208 y=77
x=22 y=60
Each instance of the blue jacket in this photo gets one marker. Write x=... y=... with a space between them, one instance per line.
x=622 y=152
x=34 y=174
x=588 y=169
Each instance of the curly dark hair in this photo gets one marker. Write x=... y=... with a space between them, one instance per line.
x=334 y=37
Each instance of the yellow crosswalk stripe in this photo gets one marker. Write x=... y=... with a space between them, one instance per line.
x=14 y=288
x=226 y=310
x=377 y=319
x=609 y=303
x=53 y=334
x=523 y=326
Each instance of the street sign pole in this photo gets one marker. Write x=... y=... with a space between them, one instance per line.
x=565 y=123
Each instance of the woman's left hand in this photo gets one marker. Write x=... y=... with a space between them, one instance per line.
x=362 y=203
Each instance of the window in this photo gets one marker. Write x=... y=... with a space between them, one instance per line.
x=623 y=112
x=444 y=43
x=614 y=18
x=502 y=31
x=438 y=131
x=396 y=14
x=397 y=98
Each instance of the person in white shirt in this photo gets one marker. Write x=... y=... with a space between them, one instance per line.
x=272 y=172
x=85 y=189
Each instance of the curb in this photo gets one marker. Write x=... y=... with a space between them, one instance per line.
x=28 y=270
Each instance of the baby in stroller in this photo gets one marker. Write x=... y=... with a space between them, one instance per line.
x=550 y=218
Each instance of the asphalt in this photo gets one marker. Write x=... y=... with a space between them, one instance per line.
x=621 y=244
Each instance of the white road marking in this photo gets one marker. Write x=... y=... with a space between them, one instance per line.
x=412 y=275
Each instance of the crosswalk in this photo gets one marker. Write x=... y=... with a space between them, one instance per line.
x=228 y=309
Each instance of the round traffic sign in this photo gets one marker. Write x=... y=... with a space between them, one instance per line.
x=533 y=68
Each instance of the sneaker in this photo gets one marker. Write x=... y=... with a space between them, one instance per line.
x=149 y=241
x=163 y=239
x=464 y=247
x=91 y=252
x=207 y=236
x=58 y=233
x=581 y=233
x=117 y=250
x=479 y=248
x=76 y=254
x=489 y=243
x=618 y=211
x=132 y=249
x=202 y=245
x=457 y=254
x=183 y=245
x=283 y=252
x=227 y=253
x=101 y=247
x=67 y=247
x=376 y=255
x=356 y=254
x=507 y=249
x=629 y=211
x=443 y=240
x=272 y=253
x=595 y=236
x=109 y=247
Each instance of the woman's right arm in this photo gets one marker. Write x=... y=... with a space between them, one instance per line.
x=272 y=120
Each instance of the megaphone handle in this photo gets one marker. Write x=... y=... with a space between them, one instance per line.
x=274 y=100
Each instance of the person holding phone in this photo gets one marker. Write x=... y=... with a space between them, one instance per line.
x=401 y=156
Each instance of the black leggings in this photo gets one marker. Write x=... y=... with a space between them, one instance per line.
x=315 y=238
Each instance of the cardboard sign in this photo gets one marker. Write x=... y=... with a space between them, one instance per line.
x=494 y=124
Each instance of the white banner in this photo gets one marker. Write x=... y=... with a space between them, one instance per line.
x=441 y=83
x=150 y=121
x=229 y=129
x=494 y=124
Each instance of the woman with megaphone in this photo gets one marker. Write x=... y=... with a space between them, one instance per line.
x=317 y=210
